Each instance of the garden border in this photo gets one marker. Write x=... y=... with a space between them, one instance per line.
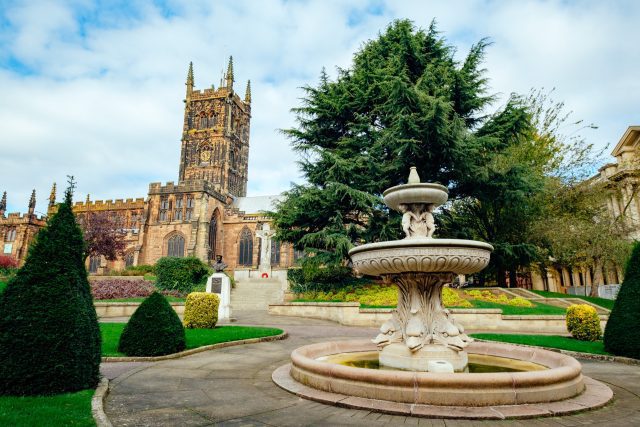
x=110 y=359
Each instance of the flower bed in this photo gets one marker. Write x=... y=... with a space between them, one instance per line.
x=498 y=298
x=107 y=289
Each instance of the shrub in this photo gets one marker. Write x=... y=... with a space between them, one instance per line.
x=180 y=274
x=49 y=334
x=622 y=334
x=583 y=322
x=201 y=310
x=153 y=330
x=134 y=270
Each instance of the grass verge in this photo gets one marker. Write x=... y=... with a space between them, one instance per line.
x=551 y=341
x=69 y=409
x=195 y=337
x=602 y=302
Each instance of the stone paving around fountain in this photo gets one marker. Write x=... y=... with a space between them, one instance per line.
x=232 y=386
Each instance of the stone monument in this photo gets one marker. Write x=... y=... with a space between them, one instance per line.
x=265 y=248
x=219 y=283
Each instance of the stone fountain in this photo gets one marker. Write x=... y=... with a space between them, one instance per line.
x=421 y=351
x=421 y=330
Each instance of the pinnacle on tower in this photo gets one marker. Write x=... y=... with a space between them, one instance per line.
x=229 y=75
x=190 y=81
x=52 y=196
x=247 y=93
x=88 y=200
x=3 y=203
x=32 y=202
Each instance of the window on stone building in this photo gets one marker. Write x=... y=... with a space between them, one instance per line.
x=211 y=120
x=298 y=254
x=275 y=252
x=128 y=259
x=189 y=210
x=11 y=235
x=179 y=205
x=213 y=234
x=245 y=253
x=189 y=120
x=164 y=209
x=203 y=122
x=94 y=263
x=175 y=246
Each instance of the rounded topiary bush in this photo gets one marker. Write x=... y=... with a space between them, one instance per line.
x=622 y=333
x=153 y=330
x=201 y=310
x=180 y=274
x=49 y=333
x=583 y=322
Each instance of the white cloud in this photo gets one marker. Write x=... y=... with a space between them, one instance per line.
x=98 y=93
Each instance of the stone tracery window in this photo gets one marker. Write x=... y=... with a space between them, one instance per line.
x=164 y=209
x=128 y=259
x=178 y=210
x=175 y=246
x=11 y=235
x=275 y=252
x=213 y=234
x=94 y=263
x=245 y=245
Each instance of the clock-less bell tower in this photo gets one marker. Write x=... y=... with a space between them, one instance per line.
x=215 y=136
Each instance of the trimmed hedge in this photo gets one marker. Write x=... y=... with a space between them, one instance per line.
x=49 y=334
x=180 y=274
x=201 y=310
x=583 y=322
x=153 y=330
x=622 y=333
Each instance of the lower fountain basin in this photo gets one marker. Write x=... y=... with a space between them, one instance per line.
x=421 y=255
x=560 y=379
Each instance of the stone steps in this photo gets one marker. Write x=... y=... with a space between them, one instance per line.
x=255 y=294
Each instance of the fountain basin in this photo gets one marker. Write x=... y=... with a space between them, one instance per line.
x=415 y=193
x=421 y=255
x=561 y=380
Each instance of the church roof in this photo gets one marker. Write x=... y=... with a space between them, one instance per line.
x=256 y=204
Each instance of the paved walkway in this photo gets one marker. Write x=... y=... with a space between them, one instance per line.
x=232 y=387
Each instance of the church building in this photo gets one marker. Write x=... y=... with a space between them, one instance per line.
x=204 y=214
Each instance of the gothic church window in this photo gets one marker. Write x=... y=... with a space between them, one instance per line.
x=213 y=234
x=275 y=252
x=203 y=122
x=188 y=213
x=245 y=252
x=178 y=211
x=164 y=207
x=94 y=264
x=128 y=259
x=175 y=246
x=11 y=235
x=211 y=121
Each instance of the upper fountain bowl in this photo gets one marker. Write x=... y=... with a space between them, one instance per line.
x=418 y=193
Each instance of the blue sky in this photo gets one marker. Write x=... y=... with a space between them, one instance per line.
x=95 y=89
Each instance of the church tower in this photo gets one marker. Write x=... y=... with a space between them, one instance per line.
x=215 y=136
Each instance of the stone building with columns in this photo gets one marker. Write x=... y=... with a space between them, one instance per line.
x=622 y=178
x=204 y=214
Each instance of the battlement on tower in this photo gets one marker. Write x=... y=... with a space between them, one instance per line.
x=109 y=205
x=190 y=186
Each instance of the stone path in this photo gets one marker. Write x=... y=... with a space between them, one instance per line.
x=232 y=387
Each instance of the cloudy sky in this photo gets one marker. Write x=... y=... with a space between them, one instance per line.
x=95 y=88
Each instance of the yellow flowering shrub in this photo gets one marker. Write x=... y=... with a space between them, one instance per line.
x=583 y=322
x=380 y=295
x=201 y=310
x=486 y=295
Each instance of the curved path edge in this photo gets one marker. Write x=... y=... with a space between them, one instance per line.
x=596 y=395
x=97 y=404
x=189 y=352
x=579 y=354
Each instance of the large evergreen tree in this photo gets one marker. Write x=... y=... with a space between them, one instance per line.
x=404 y=102
x=49 y=334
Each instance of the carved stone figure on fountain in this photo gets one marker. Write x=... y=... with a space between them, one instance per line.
x=417 y=220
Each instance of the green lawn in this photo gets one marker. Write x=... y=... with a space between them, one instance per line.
x=70 y=409
x=551 y=341
x=195 y=337
x=602 y=302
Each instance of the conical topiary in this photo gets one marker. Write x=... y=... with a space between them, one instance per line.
x=49 y=333
x=153 y=330
x=622 y=333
